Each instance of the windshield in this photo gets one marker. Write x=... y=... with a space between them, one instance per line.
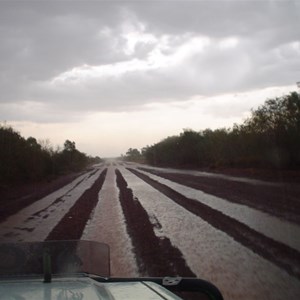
x=64 y=258
x=168 y=130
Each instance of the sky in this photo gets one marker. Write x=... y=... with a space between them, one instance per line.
x=113 y=75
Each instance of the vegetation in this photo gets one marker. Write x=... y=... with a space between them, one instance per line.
x=269 y=138
x=133 y=155
x=25 y=160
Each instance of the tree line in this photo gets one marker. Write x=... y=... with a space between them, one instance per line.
x=269 y=138
x=26 y=160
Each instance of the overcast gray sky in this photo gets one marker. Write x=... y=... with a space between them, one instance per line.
x=118 y=74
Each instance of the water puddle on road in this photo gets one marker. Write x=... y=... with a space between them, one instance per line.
x=273 y=227
x=42 y=216
x=107 y=225
x=211 y=253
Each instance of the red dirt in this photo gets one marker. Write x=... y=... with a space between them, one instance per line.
x=276 y=175
x=149 y=248
x=281 y=200
x=73 y=223
x=278 y=253
x=155 y=256
x=16 y=198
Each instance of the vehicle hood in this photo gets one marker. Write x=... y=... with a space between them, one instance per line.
x=81 y=289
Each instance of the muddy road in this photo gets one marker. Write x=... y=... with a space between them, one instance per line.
x=242 y=235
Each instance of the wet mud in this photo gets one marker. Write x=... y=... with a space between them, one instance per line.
x=14 y=199
x=276 y=252
x=280 y=200
x=57 y=201
x=71 y=226
x=154 y=255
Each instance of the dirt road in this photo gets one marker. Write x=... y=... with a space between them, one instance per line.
x=239 y=234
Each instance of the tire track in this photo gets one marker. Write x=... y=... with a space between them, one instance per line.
x=107 y=225
x=12 y=206
x=155 y=256
x=281 y=201
x=268 y=225
x=276 y=252
x=60 y=199
x=72 y=224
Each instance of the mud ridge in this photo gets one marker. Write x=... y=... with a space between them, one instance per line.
x=276 y=252
x=281 y=201
x=71 y=226
x=93 y=173
x=13 y=201
x=155 y=256
x=58 y=200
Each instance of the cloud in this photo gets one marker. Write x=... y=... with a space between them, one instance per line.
x=60 y=60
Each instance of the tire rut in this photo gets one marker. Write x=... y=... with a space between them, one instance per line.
x=276 y=252
x=57 y=200
x=155 y=256
x=281 y=201
x=10 y=207
x=71 y=226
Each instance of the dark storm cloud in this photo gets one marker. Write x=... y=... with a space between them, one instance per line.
x=44 y=39
x=42 y=42
x=221 y=18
